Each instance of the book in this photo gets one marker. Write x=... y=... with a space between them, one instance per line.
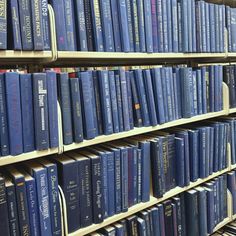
x=46 y=26
x=89 y=25
x=3 y=24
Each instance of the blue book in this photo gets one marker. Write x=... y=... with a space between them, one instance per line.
x=124 y=28
x=158 y=95
x=169 y=93
x=203 y=25
x=199 y=91
x=217 y=20
x=119 y=229
x=3 y=22
x=130 y=25
x=124 y=99
x=14 y=115
x=198 y=26
x=202 y=152
x=179 y=223
x=174 y=97
x=97 y=26
x=88 y=108
x=178 y=92
x=141 y=25
x=131 y=175
x=165 y=26
x=175 y=42
x=148 y=25
x=138 y=121
x=194 y=28
x=210 y=210
x=69 y=182
x=26 y=19
x=116 y=26
x=212 y=87
x=46 y=26
x=70 y=25
x=76 y=110
x=80 y=23
x=141 y=226
x=14 y=35
x=106 y=101
x=65 y=102
x=160 y=32
x=221 y=27
x=59 y=10
x=154 y=25
x=208 y=36
x=179 y=12
x=52 y=109
x=12 y=207
x=4 y=133
x=106 y=19
x=53 y=192
x=142 y=96
x=27 y=111
x=204 y=90
x=233 y=29
x=195 y=100
x=150 y=97
x=228 y=26
x=89 y=25
x=40 y=111
x=155 y=219
x=119 y=101
x=184 y=25
x=40 y=175
x=169 y=25
x=36 y=11
x=129 y=94
x=180 y=165
x=164 y=89
x=168 y=216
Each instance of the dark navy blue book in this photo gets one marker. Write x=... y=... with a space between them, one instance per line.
x=36 y=11
x=26 y=19
x=142 y=96
x=12 y=207
x=52 y=108
x=145 y=216
x=129 y=94
x=198 y=26
x=203 y=26
x=135 y=25
x=97 y=26
x=177 y=203
x=4 y=134
x=202 y=152
x=4 y=220
x=156 y=222
x=141 y=226
x=89 y=25
x=40 y=111
x=131 y=176
x=3 y=22
x=204 y=90
x=212 y=88
x=233 y=29
x=150 y=97
x=14 y=115
x=46 y=26
x=210 y=210
x=69 y=181
x=154 y=25
x=80 y=23
x=70 y=25
x=194 y=28
x=76 y=110
x=124 y=30
x=148 y=25
x=212 y=27
x=119 y=229
x=124 y=99
x=217 y=20
x=90 y=123
x=138 y=121
x=208 y=36
x=160 y=27
x=180 y=168
x=169 y=93
x=14 y=35
x=53 y=192
x=194 y=88
x=158 y=95
x=184 y=25
x=169 y=25
x=119 y=101
x=175 y=43
x=130 y=25
x=179 y=10
x=141 y=24
x=165 y=26
x=40 y=174
x=107 y=27
x=168 y=216
x=65 y=100
x=199 y=92
x=27 y=111
x=221 y=26
x=228 y=26
x=164 y=90
x=59 y=10
x=21 y=198
x=116 y=25
x=106 y=103
x=139 y=175
x=211 y=150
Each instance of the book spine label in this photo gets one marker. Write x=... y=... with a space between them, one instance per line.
x=89 y=25
x=41 y=111
x=104 y=184
x=139 y=175
x=3 y=24
x=46 y=26
x=141 y=26
x=27 y=110
x=81 y=23
x=36 y=8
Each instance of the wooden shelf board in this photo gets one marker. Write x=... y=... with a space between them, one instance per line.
x=141 y=206
x=232 y=110
x=26 y=156
x=222 y=224
x=137 y=131
x=10 y=54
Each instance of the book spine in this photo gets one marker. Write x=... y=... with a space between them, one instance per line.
x=199 y=92
x=135 y=173
x=129 y=94
x=175 y=26
x=131 y=177
x=169 y=24
x=105 y=11
x=33 y=207
x=130 y=25
x=212 y=27
x=212 y=88
x=202 y=212
x=179 y=15
x=228 y=26
x=26 y=24
x=203 y=26
x=204 y=90
x=221 y=28
x=46 y=26
x=165 y=26
x=124 y=180
x=89 y=25
x=169 y=95
x=154 y=25
x=40 y=111
x=160 y=32
x=198 y=26
x=27 y=111
x=76 y=110
x=202 y=153
x=195 y=101
x=148 y=25
x=111 y=183
x=3 y=24
x=14 y=115
x=139 y=175
x=36 y=10
x=81 y=23
x=14 y=24
x=194 y=152
x=65 y=101
x=104 y=158
x=194 y=30
x=52 y=109
x=168 y=216
x=185 y=22
x=208 y=36
x=141 y=26
x=70 y=25
x=207 y=161
x=217 y=20
x=117 y=181
x=179 y=146
x=116 y=25
x=164 y=89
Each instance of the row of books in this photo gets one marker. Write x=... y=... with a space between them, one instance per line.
x=29 y=199
x=28 y=114
x=142 y=26
x=25 y=25
x=195 y=212
x=97 y=102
